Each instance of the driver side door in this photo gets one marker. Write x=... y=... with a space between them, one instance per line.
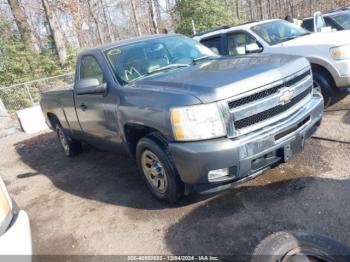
x=92 y=109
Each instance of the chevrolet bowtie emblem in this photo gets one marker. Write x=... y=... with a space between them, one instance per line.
x=286 y=96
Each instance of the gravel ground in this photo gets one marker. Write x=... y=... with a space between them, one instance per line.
x=96 y=203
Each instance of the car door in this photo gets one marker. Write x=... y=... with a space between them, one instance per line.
x=96 y=112
x=242 y=43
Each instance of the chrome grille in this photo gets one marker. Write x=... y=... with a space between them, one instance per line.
x=254 y=119
x=271 y=104
x=267 y=92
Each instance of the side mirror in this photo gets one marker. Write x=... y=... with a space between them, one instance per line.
x=90 y=86
x=253 y=48
x=214 y=50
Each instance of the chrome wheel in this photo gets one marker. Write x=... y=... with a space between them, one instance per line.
x=154 y=171
x=63 y=141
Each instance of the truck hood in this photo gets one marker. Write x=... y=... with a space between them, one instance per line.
x=225 y=77
x=329 y=39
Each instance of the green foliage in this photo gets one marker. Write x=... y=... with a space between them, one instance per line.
x=205 y=14
x=18 y=65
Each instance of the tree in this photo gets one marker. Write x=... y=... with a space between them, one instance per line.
x=153 y=16
x=56 y=32
x=75 y=8
x=205 y=13
x=24 y=27
x=137 y=23
x=97 y=24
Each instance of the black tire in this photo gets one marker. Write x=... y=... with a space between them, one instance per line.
x=294 y=246
x=323 y=82
x=156 y=144
x=71 y=147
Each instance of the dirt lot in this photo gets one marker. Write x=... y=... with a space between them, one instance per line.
x=97 y=204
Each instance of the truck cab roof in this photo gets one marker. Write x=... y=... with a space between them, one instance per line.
x=125 y=42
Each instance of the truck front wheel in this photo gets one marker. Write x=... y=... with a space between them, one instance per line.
x=71 y=147
x=158 y=170
x=324 y=84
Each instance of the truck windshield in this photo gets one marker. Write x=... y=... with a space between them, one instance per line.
x=276 y=32
x=137 y=60
x=343 y=19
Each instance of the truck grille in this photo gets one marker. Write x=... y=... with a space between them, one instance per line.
x=268 y=92
x=271 y=112
x=256 y=110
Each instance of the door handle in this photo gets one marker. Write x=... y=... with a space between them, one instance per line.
x=83 y=107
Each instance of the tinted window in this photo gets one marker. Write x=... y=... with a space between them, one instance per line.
x=308 y=24
x=89 y=68
x=212 y=42
x=238 y=42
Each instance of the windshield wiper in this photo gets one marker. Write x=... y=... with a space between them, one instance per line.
x=167 y=68
x=203 y=58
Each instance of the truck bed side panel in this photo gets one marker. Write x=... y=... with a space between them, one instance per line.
x=61 y=104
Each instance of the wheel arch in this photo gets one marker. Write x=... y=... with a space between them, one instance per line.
x=323 y=70
x=323 y=66
x=53 y=119
x=134 y=132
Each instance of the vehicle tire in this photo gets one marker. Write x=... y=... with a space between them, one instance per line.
x=71 y=147
x=299 y=246
x=324 y=84
x=157 y=168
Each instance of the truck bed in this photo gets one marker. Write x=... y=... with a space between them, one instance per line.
x=60 y=102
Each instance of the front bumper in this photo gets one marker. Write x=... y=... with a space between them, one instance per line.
x=17 y=240
x=342 y=76
x=248 y=155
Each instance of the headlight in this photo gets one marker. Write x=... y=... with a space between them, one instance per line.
x=5 y=208
x=340 y=52
x=197 y=122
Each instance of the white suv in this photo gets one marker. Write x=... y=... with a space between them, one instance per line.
x=328 y=52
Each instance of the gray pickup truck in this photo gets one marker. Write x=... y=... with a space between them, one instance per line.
x=193 y=120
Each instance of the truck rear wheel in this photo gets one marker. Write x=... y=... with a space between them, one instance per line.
x=158 y=170
x=71 y=147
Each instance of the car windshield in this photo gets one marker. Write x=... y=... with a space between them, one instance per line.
x=343 y=19
x=276 y=32
x=137 y=60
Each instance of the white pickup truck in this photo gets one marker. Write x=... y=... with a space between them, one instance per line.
x=328 y=52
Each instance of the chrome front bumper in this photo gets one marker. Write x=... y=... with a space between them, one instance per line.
x=248 y=155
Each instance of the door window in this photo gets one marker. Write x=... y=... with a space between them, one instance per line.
x=237 y=43
x=308 y=24
x=214 y=42
x=90 y=68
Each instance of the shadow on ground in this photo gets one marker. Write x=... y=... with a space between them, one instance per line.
x=233 y=223
x=294 y=197
x=97 y=175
